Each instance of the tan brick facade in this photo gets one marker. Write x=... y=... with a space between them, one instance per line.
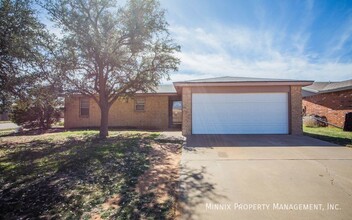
x=333 y=106
x=186 y=111
x=295 y=110
x=157 y=110
x=122 y=113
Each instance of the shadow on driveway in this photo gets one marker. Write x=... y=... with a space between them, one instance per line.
x=254 y=141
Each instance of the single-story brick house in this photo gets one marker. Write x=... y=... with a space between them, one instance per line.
x=330 y=99
x=223 y=105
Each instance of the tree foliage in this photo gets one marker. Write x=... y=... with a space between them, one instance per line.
x=39 y=109
x=110 y=51
x=23 y=42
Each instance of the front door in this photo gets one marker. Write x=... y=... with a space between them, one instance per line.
x=176 y=112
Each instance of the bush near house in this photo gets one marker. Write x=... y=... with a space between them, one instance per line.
x=35 y=116
x=315 y=121
x=39 y=108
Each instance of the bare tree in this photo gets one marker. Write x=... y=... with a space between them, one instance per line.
x=110 y=51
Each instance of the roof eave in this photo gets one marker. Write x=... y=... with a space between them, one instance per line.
x=310 y=90
x=158 y=93
x=252 y=83
x=327 y=90
x=337 y=89
x=136 y=94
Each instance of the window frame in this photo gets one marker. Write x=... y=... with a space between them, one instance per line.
x=80 y=107
x=142 y=103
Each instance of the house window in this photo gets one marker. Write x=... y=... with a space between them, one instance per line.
x=139 y=104
x=84 y=107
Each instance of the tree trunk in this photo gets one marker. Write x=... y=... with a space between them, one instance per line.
x=104 y=120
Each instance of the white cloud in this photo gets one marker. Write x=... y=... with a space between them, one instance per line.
x=339 y=41
x=237 y=51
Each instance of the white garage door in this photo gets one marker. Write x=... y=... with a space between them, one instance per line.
x=240 y=113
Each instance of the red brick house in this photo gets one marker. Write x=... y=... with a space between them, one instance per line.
x=330 y=99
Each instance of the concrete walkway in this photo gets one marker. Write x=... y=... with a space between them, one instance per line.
x=265 y=177
x=172 y=135
x=5 y=126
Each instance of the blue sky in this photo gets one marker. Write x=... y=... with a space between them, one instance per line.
x=302 y=39
x=282 y=39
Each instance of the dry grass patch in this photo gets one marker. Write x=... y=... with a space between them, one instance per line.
x=75 y=175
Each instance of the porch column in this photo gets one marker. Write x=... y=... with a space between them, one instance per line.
x=186 y=111
x=296 y=110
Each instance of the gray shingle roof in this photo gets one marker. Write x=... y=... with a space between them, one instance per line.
x=239 y=79
x=162 y=89
x=325 y=87
x=165 y=89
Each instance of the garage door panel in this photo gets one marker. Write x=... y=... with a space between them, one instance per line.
x=239 y=128
x=239 y=109
x=242 y=129
x=240 y=113
x=239 y=97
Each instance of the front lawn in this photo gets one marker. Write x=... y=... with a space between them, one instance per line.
x=7 y=131
x=73 y=175
x=330 y=134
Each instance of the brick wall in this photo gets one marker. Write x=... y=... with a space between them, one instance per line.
x=186 y=111
x=333 y=106
x=296 y=110
x=122 y=113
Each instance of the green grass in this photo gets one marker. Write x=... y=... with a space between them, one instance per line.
x=330 y=134
x=70 y=175
x=8 y=131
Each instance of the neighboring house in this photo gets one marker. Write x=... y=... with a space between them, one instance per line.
x=330 y=99
x=4 y=116
x=223 y=105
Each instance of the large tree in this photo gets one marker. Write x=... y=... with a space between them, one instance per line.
x=24 y=43
x=109 y=51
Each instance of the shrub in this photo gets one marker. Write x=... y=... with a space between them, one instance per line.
x=310 y=121
x=35 y=116
x=38 y=109
x=315 y=121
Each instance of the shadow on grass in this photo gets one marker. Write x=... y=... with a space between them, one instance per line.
x=74 y=178
x=42 y=179
x=335 y=140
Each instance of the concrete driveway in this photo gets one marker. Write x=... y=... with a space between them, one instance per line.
x=265 y=177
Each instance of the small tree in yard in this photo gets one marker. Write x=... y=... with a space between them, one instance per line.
x=109 y=51
x=39 y=109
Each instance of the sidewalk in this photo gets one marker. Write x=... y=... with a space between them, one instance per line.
x=6 y=126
